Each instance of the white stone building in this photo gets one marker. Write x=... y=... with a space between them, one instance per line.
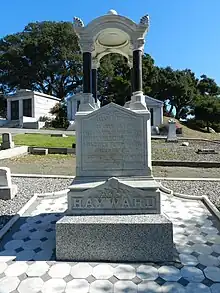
x=26 y=107
x=155 y=107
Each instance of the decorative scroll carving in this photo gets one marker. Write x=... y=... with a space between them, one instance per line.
x=78 y=22
x=145 y=20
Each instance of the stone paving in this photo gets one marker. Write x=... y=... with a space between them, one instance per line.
x=27 y=256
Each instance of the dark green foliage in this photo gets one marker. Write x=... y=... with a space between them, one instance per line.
x=60 y=113
x=44 y=57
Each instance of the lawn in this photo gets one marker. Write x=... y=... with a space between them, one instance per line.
x=43 y=140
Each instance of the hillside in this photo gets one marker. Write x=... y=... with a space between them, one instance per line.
x=188 y=132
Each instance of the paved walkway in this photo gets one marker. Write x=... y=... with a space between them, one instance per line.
x=27 y=259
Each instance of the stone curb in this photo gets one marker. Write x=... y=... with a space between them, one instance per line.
x=188 y=138
x=195 y=164
x=14 y=219
x=14 y=152
x=186 y=179
x=203 y=198
x=52 y=194
x=43 y=176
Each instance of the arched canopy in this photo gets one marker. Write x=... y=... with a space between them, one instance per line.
x=111 y=33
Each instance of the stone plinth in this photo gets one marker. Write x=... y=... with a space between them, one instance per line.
x=129 y=238
x=172 y=137
x=7 y=190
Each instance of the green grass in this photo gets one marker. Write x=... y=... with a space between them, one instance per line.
x=44 y=140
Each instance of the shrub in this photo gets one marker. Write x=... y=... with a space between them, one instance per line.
x=60 y=113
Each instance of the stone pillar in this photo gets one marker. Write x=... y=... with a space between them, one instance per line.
x=87 y=101
x=87 y=72
x=94 y=84
x=137 y=71
x=172 y=137
x=138 y=98
x=8 y=109
x=20 y=108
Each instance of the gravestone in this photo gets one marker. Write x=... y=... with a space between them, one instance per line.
x=172 y=137
x=107 y=216
x=7 y=142
x=7 y=189
x=114 y=205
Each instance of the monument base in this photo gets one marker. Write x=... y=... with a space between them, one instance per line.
x=128 y=238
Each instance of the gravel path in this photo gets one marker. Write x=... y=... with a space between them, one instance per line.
x=209 y=188
x=162 y=150
x=26 y=189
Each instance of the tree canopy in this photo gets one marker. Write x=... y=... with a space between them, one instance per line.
x=46 y=57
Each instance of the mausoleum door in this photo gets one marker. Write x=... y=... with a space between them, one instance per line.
x=14 y=110
x=27 y=107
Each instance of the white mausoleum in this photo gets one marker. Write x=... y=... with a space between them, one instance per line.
x=28 y=106
x=155 y=107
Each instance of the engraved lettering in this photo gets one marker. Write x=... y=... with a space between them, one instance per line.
x=77 y=202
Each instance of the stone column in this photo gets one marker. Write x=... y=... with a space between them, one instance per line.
x=137 y=71
x=87 y=72
x=8 y=109
x=20 y=108
x=138 y=98
x=94 y=84
x=87 y=101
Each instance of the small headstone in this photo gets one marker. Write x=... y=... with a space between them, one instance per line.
x=172 y=137
x=185 y=143
x=7 y=142
x=7 y=190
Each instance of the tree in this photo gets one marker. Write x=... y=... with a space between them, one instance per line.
x=207 y=110
x=44 y=57
x=178 y=87
x=208 y=85
x=114 y=79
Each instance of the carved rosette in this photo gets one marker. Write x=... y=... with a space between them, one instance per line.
x=77 y=22
x=145 y=20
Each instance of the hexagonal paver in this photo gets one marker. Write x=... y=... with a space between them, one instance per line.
x=77 y=286
x=31 y=285
x=188 y=260
x=216 y=248
x=16 y=269
x=208 y=260
x=3 y=267
x=54 y=286
x=202 y=248
x=81 y=270
x=103 y=272
x=37 y=269
x=124 y=272
x=215 y=288
x=14 y=244
x=149 y=286
x=172 y=287
x=60 y=270
x=169 y=273
x=124 y=286
x=212 y=273
x=192 y=274
x=149 y=273
x=8 y=284
x=197 y=288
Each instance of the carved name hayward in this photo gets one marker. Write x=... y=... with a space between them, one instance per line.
x=114 y=197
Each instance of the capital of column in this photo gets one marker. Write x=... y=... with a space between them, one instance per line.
x=139 y=44
x=87 y=46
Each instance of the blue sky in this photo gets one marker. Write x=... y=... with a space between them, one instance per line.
x=183 y=33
